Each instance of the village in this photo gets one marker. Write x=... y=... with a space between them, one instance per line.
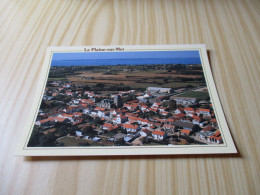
x=72 y=116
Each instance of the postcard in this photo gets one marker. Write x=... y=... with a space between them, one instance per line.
x=126 y=100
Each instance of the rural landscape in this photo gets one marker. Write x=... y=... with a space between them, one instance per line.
x=125 y=105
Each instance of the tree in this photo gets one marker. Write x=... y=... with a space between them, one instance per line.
x=98 y=121
x=47 y=140
x=131 y=97
x=169 y=115
x=62 y=131
x=124 y=131
x=72 y=130
x=64 y=123
x=189 y=86
x=166 y=97
x=165 y=104
x=87 y=118
x=83 y=144
x=86 y=87
x=165 y=80
x=44 y=105
x=34 y=139
x=60 y=144
x=172 y=105
x=88 y=130
x=67 y=99
x=99 y=87
x=120 y=142
x=98 y=99
x=189 y=140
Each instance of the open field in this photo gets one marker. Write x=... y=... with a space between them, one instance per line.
x=71 y=141
x=148 y=74
x=130 y=76
x=138 y=83
x=57 y=79
x=137 y=80
x=195 y=94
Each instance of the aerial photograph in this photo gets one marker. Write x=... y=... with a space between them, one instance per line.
x=136 y=98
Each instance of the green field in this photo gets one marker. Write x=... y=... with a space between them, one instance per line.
x=57 y=79
x=195 y=94
x=144 y=85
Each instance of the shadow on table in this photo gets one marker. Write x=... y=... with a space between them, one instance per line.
x=134 y=157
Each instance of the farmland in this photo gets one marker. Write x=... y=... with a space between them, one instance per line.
x=195 y=94
x=135 y=77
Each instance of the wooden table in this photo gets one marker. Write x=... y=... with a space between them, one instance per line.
x=230 y=29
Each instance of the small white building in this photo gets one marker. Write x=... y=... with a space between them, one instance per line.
x=120 y=119
x=131 y=128
x=158 y=90
x=79 y=134
x=185 y=101
x=145 y=132
x=159 y=135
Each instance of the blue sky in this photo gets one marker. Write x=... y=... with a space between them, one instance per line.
x=126 y=58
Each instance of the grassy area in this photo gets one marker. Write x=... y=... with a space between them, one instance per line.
x=57 y=79
x=162 y=84
x=136 y=77
x=137 y=82
x=71 y=141
x=195 y=94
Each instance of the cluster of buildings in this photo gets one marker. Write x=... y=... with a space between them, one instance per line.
x=148 y=116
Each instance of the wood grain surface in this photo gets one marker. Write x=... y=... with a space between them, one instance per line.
x=230 y=29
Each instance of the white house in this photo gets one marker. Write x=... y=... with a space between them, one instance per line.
x=144 y=108
x=159 y=135
x=128 y=106
x=87 y=111
x=100 y=111
x=155 y=105
x=205 y=134
x=178 y=111
x=67 y=86
x=108 y=127
x=69 y=93
x=168 y=127
x=158 y=90
x=164 y=113
x=144 y=122
x=162 y=109
x=67 y=116
x=216 y=138
x=189 y=111
x=196 y=120
x=186 y=132
x=79 y=134
x=185 y=101
x=148 y=95
x=128 y=137
x=114 y=112
x=120 y=119
x=76 y=101
x=131 y=128
x=203 y=111
x=145 y=132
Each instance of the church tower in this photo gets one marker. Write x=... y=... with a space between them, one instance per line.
x=118 y=101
